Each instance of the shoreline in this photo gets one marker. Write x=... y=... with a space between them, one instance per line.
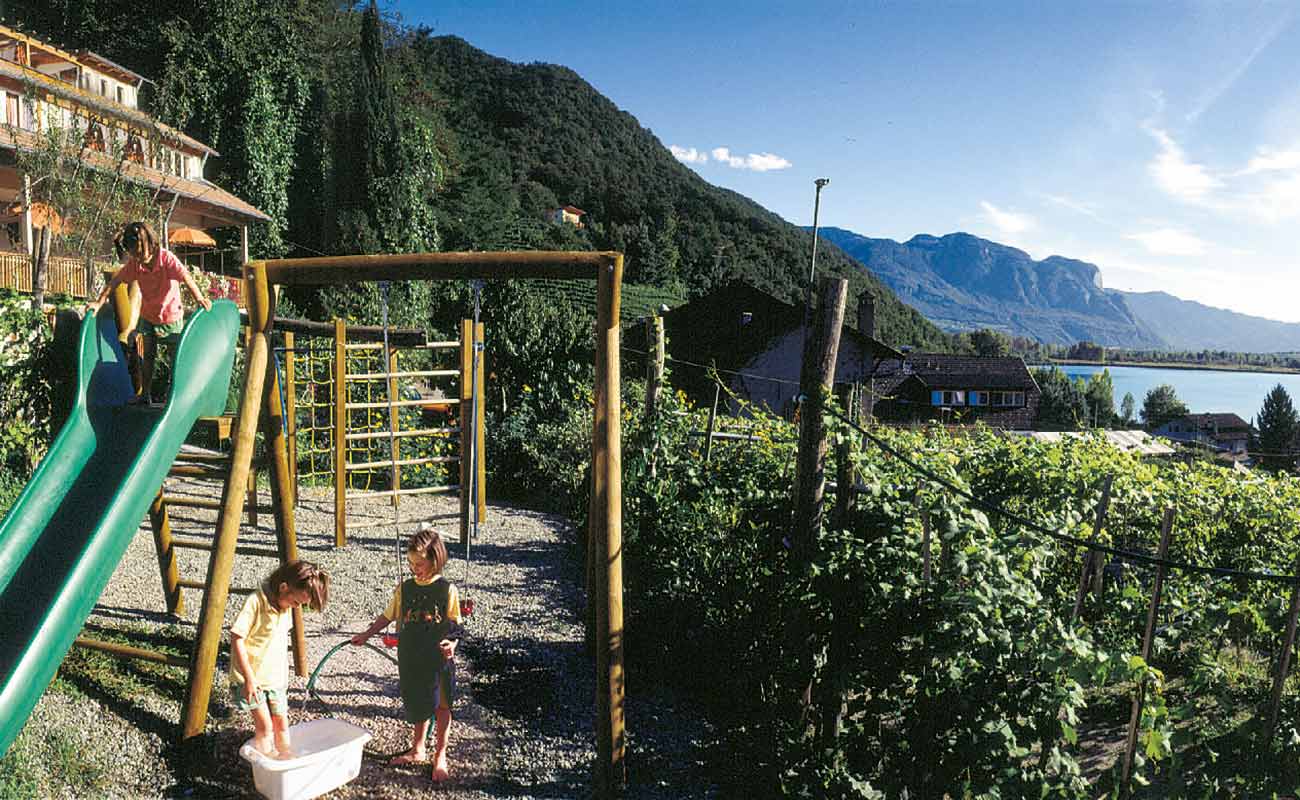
x=1163 y=365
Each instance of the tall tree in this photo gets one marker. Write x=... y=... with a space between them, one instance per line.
x=1128 y=410
x=988 y=342
x=1162 y=405
x=1101 y=399
x=1063 y=404
x=1278 y=427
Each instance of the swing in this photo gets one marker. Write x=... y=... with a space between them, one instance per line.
x=390 y=640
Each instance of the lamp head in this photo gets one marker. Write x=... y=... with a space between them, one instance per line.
x=821 y=182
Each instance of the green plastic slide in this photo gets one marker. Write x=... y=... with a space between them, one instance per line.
x=67 y=531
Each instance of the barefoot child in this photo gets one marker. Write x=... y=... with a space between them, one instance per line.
x=259 y=643
x=427 y=611
x=159 y=273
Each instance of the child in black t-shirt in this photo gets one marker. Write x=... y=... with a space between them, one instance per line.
x=427 y=611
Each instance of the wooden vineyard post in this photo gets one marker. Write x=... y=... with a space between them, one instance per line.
x=606 y=531
x=394 y=425
x=340 y=433
x=1139 y=693
x=1092 y=560
x=291 y=402
x=1284 y=658
x=821 y=349
x=713 y=416
x=846 y=479
x=162 y=537
x=654 y=364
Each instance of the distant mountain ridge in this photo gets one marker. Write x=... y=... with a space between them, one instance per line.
x=962 y=282
x=1189 y=325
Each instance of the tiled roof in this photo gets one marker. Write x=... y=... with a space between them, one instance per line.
x=946 y=371
x=1210 y=420
x=196 y=191
x=713 y=327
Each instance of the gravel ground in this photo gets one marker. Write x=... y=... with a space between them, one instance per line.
x=523 y=718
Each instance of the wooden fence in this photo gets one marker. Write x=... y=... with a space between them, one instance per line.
x=66 y=275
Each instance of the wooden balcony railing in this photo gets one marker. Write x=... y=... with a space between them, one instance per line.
x=68 y=276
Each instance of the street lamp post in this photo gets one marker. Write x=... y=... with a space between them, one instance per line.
x=817 y=204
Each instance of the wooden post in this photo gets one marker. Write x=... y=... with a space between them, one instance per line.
x=607 y=532
x=394 y=425
x=291 y=400
x=1166 y=526
x=713 y=415
x=1092 y=560
x=276 y=442
x=1284 y=658
x=162 y=538
x=466 y=431
x=221 y=561
x=846 y=479
x=480 y=425
x=654 y=364
x=925 y=546
x=821 y=348
x=340 y=433
x=820 y=352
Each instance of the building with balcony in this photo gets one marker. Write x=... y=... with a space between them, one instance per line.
x=43 y=86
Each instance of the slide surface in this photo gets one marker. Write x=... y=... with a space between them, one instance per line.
x=67 y=531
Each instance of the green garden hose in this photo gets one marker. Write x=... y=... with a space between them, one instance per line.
x=311 y=692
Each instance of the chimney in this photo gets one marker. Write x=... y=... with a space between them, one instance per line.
x=867 y=314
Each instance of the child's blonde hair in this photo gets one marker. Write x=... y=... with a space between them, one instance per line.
x=299 y=575
x=427 y=543
x=137 y=240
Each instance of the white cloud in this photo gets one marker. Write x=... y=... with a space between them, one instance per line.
x=1272 y=161
x=1169 y=242
x=688 y=155
x=1087 y=209
x=1178 y=176
x=1008 y=222
x=758 y=162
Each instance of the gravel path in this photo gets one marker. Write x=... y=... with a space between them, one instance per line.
x=523 y=718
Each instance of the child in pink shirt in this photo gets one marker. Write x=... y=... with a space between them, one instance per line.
x=159 y=273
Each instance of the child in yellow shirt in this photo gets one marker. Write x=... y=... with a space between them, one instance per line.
x=259 y=644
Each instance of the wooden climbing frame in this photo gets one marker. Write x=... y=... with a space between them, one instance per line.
x=260 y=404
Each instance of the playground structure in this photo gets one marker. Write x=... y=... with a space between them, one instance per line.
x=347 y=435
x=109 y=462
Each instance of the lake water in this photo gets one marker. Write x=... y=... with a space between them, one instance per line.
x=1202 y=390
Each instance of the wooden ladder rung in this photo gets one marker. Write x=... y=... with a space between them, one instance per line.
x=127 y=651
x=404 y=462
x=186 y=584
x=241 y=549
x=352 y=437
x=197 y=471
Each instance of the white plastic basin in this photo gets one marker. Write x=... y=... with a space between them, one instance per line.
x=327 y=755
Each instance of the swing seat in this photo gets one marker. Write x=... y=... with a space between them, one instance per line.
x=328 y=755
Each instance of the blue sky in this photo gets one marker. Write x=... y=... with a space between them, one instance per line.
x=1159 y=140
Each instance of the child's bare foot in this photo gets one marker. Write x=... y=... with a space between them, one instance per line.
x=440 y=771
x=412 y=756
x=264 y=745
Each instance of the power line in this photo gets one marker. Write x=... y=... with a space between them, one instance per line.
x=1127 y=555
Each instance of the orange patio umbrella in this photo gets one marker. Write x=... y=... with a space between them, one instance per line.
x=190 y=237
x=43 y=216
